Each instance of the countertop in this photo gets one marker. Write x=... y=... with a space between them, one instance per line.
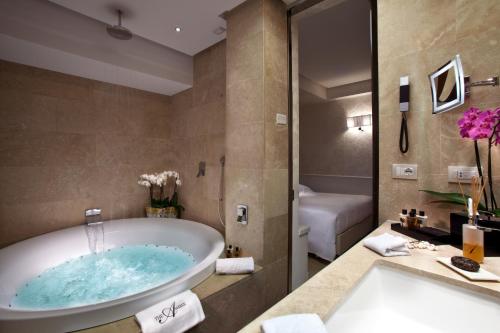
x=326 y=289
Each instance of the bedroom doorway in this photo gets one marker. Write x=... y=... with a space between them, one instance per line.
x=333 y=111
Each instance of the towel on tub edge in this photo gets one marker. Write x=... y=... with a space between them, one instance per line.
x=234 y=265
x=174 y=315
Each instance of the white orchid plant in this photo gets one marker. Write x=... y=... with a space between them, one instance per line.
x=157 y=184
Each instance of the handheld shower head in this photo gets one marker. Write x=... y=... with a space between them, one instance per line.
x=119 y=31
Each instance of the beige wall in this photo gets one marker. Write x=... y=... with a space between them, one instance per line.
x=415 y=39
x=69 y=143
x=197 y=130
x=257 y=148
x=327 y=146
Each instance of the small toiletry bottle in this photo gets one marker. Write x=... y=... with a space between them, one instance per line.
x=413 y=220
x=403 y=218
x=229 y=251
x=236 y=251
x=422 y=218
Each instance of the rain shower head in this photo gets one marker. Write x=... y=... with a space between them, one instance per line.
x=118 y=31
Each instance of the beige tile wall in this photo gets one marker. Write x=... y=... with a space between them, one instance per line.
x=256 y=148
x=69 y=143
x=327 y=147
x=415 y=39
x=197 y=131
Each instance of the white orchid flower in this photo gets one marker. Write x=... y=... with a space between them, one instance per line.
x=178 y=182
x=144 y=183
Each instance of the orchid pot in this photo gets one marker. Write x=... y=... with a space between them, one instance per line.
x=163 y=194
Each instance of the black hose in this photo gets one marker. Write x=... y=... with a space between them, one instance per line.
x=403 y=135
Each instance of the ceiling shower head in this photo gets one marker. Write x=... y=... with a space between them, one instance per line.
x=118 y=31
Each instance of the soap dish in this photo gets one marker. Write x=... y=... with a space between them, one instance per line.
x=482 y=275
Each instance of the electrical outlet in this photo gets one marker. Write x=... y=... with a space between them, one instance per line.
x=461 y=173
x=404 y=171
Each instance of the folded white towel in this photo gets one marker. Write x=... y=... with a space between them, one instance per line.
x=174 y=315
x=296 y=323
x=234 y=265
x=387 y=245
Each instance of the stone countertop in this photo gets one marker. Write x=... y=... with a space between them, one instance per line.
x=326 y=289
x=210 y=286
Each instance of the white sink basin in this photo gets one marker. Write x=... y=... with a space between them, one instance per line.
x=392 y=300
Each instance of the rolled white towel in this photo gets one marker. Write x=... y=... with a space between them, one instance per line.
x=174 y=315
x=387 y=245
x=296 y=323
x=234 y=265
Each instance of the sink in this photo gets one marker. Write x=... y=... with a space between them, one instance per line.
x=389 y=299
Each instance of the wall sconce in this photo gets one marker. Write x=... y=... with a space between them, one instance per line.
x=359 y=121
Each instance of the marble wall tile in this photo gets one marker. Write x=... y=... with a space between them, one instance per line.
x=245 y=186
x=42 y=148
x=276 y=281
x=241 y=61
x=245 y=145
x=414 y=26
x=197 y=119
x=275 y=192
x=71 y=143
x=276 y=239
x=232 y=308
x=257 y=149
x=448 y=28
x=276 y=57
x=476 y=16
x=21 y=112
x=245 y=20
x=247 y=107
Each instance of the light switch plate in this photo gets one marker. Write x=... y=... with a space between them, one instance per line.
x=461 y=173
x=281 y=119
x=405 y=171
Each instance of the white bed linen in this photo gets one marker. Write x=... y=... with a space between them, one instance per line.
x=329 y=214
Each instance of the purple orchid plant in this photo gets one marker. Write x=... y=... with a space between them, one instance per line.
x=477 y=124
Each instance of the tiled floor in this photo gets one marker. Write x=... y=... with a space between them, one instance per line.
x=315 y=265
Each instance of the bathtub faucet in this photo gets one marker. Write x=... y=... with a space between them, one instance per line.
x=93 y=216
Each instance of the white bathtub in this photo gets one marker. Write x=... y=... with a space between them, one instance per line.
x=24 y=260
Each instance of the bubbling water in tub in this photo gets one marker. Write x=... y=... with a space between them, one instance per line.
x=105 y=276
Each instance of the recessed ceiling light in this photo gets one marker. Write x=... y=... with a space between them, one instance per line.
x=178 y=29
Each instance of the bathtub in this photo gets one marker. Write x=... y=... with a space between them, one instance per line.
x=25 y=260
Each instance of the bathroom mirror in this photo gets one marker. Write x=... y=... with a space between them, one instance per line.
x=447 y=86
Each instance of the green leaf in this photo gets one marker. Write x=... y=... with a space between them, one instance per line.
x=452 y=198
x=496 y=212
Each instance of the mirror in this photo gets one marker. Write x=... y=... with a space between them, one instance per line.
x=447 y=86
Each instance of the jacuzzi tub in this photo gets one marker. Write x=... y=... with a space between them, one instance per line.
x=23 y=261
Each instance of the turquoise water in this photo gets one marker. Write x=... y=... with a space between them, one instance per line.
x=96 y=278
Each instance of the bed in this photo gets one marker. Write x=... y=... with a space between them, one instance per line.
x=337 y=221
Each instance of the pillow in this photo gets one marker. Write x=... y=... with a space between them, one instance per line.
x=303 y=189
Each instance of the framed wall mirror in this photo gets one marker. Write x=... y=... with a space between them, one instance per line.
x=448 y=86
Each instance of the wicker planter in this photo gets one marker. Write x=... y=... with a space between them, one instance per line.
x=171 y=212
x=155 y=212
